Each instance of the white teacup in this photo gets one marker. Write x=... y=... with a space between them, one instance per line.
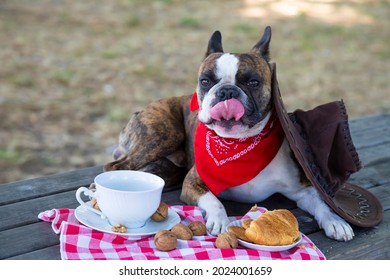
x=125 y=197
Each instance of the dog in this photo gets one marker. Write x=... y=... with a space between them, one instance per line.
x=187 y=139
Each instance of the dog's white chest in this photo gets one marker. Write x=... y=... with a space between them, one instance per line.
x=280 y=175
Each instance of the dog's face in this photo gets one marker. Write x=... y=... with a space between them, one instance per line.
x=234 y=90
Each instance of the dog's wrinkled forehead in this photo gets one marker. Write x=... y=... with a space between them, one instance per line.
x=253 y=65
x=225 y=67
x=209 y=64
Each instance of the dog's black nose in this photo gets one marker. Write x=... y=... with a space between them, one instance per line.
x=227 y=92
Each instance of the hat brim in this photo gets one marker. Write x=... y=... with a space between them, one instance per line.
x=355 y=204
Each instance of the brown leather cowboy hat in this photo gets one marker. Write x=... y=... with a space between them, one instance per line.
x=321 y=142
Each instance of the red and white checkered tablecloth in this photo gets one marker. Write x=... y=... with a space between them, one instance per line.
x=80 y=242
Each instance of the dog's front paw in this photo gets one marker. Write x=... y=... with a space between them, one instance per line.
x=336 y=228
x=216 y=217
x=216 y=222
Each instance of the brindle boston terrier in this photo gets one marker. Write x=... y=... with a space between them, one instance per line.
x=225 y=140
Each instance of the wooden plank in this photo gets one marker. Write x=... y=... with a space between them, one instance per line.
x=26 y=212
x=33 y=188
x=375 y=154
x=368 y=122
x=365 y=131
x=41 y=235
x=49 y=253
x=26 y=239
x=373 y=174
x=383 y=194
x=172 y=197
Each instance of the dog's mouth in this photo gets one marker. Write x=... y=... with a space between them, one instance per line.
x=227 y=124
x=227 y=114
x=227 y=110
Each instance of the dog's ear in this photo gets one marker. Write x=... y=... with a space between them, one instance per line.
x=262 y=47
x=215 y=43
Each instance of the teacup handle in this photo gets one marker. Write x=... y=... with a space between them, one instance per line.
x=90 y=193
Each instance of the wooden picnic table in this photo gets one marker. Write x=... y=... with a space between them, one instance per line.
x=24 y=236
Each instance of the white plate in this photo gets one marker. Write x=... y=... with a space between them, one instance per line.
x=94 y=221
x=263 y=247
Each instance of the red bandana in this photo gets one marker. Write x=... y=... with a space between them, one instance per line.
x=223 y=163
x=194 y=102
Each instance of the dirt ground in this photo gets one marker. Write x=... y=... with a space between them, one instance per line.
x=72 y=72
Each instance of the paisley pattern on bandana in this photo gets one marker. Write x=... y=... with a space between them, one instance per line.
x=223 y=163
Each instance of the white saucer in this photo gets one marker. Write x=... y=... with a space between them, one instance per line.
x=94 y=221
x=263 y=247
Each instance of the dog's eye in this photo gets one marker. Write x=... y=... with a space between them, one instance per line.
x=253 y=83
x=205 y=82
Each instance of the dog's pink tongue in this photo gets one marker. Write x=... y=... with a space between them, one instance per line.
x=228 y=109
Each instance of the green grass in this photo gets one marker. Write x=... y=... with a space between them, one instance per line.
x=8 y=154
x=64 y=75
x=189 y=22
x=57 y=58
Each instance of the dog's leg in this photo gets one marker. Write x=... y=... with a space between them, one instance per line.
x=335 y=227
x=195 y=192
x=152 y=134
x=172 y=174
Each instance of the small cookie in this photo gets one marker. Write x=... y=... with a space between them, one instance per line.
x=197 y=228
x=119 y=228
x=95 y=204
x=165 y=240
x=182 y=231
x=226 y=240
x=239 y=232
x=161 y=212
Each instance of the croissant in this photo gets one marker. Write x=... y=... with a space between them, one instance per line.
x=274 y=228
